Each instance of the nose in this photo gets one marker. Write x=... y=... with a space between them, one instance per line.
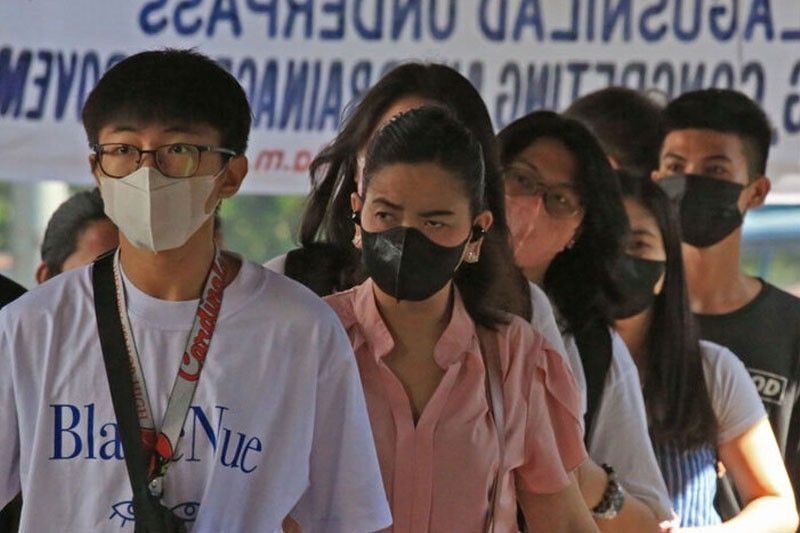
x=148 y=159
x=536 y=204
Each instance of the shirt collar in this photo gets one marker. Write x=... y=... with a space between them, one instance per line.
x=458 y=338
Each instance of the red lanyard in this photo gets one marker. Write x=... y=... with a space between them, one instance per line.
x=165 y=441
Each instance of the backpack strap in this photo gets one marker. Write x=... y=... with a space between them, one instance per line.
x=594 y=345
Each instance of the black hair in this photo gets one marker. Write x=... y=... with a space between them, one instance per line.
x=627 y=123
x=170 y=85
x=580 y=279
x=333 y=173
x=66 y=226
x=676 y=396
x=724 y=111
x=431 y=134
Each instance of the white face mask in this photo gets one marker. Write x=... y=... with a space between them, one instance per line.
x=154 y=212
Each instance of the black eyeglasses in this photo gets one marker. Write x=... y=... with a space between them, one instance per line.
x=177 y=160
x=561 y=201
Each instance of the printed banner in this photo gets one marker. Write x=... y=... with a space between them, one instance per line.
x=301 y=62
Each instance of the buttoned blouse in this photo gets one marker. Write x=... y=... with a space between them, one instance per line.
x=438 y=473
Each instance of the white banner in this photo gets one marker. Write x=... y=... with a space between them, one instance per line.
x=302 y=61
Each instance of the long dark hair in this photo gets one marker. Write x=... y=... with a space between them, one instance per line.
x=580 y=279
x=677 y=399
x=333 y=172
x=432 y=134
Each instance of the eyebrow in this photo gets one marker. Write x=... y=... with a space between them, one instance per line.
x=674 y=156
x=718 y=157
x=387 y=203
x=644 y=232
x=437 y=213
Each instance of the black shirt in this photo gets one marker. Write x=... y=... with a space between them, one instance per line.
x=765 y=334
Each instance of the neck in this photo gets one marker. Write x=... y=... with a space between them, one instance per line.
x=416 y=320
x=634 y=332
x=176 y=275
x=536 y=273
x=715 y=279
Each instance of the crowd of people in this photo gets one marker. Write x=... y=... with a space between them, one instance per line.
x=545 y=328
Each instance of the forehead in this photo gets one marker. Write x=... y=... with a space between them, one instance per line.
x=551 y=158
x=698 y=144
x=124 y=130
x=639 y=216
x=417 y=184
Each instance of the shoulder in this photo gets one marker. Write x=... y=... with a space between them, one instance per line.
x=718 y=358
x=343 y=304
x=277 y=264
x=62 y=292
x=269 y=296
x=785 y=303
x=622 y=367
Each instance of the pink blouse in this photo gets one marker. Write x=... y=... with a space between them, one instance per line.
x=438 y=474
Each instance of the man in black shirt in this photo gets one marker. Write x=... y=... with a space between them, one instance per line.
x=713 y=164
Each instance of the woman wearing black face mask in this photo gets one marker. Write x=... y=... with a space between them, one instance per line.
x=470 y=410
x=701 y=403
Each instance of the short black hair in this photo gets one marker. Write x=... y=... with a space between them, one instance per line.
x=724 y=111
x=628 y=124
x=170 y=85
x=67 y=224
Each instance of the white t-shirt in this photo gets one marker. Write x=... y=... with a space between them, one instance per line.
x=278 y=424
x=620 y=436
x=734 y=396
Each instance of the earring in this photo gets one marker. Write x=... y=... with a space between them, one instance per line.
x=570 y=244
x=357 y=240
x=472 y=257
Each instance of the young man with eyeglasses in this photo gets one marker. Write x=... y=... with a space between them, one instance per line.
x=241 y=384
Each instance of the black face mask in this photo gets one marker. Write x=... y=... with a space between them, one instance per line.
x=708 y=207
x=406 y=264
x=637 y=278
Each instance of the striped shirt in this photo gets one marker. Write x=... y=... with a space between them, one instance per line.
x=691 y=477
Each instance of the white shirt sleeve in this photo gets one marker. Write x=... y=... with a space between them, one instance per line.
x=544 y=321
x=277 y=264
x=734 y=396
x=620 y=436
x=9 y=437
x=345 y=491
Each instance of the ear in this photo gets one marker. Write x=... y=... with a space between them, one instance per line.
x=94 y=168
x=42 y=273
x=760 y=188
x=356 y=202
x=575 y=237
x=233 y=176
x=472 y=251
